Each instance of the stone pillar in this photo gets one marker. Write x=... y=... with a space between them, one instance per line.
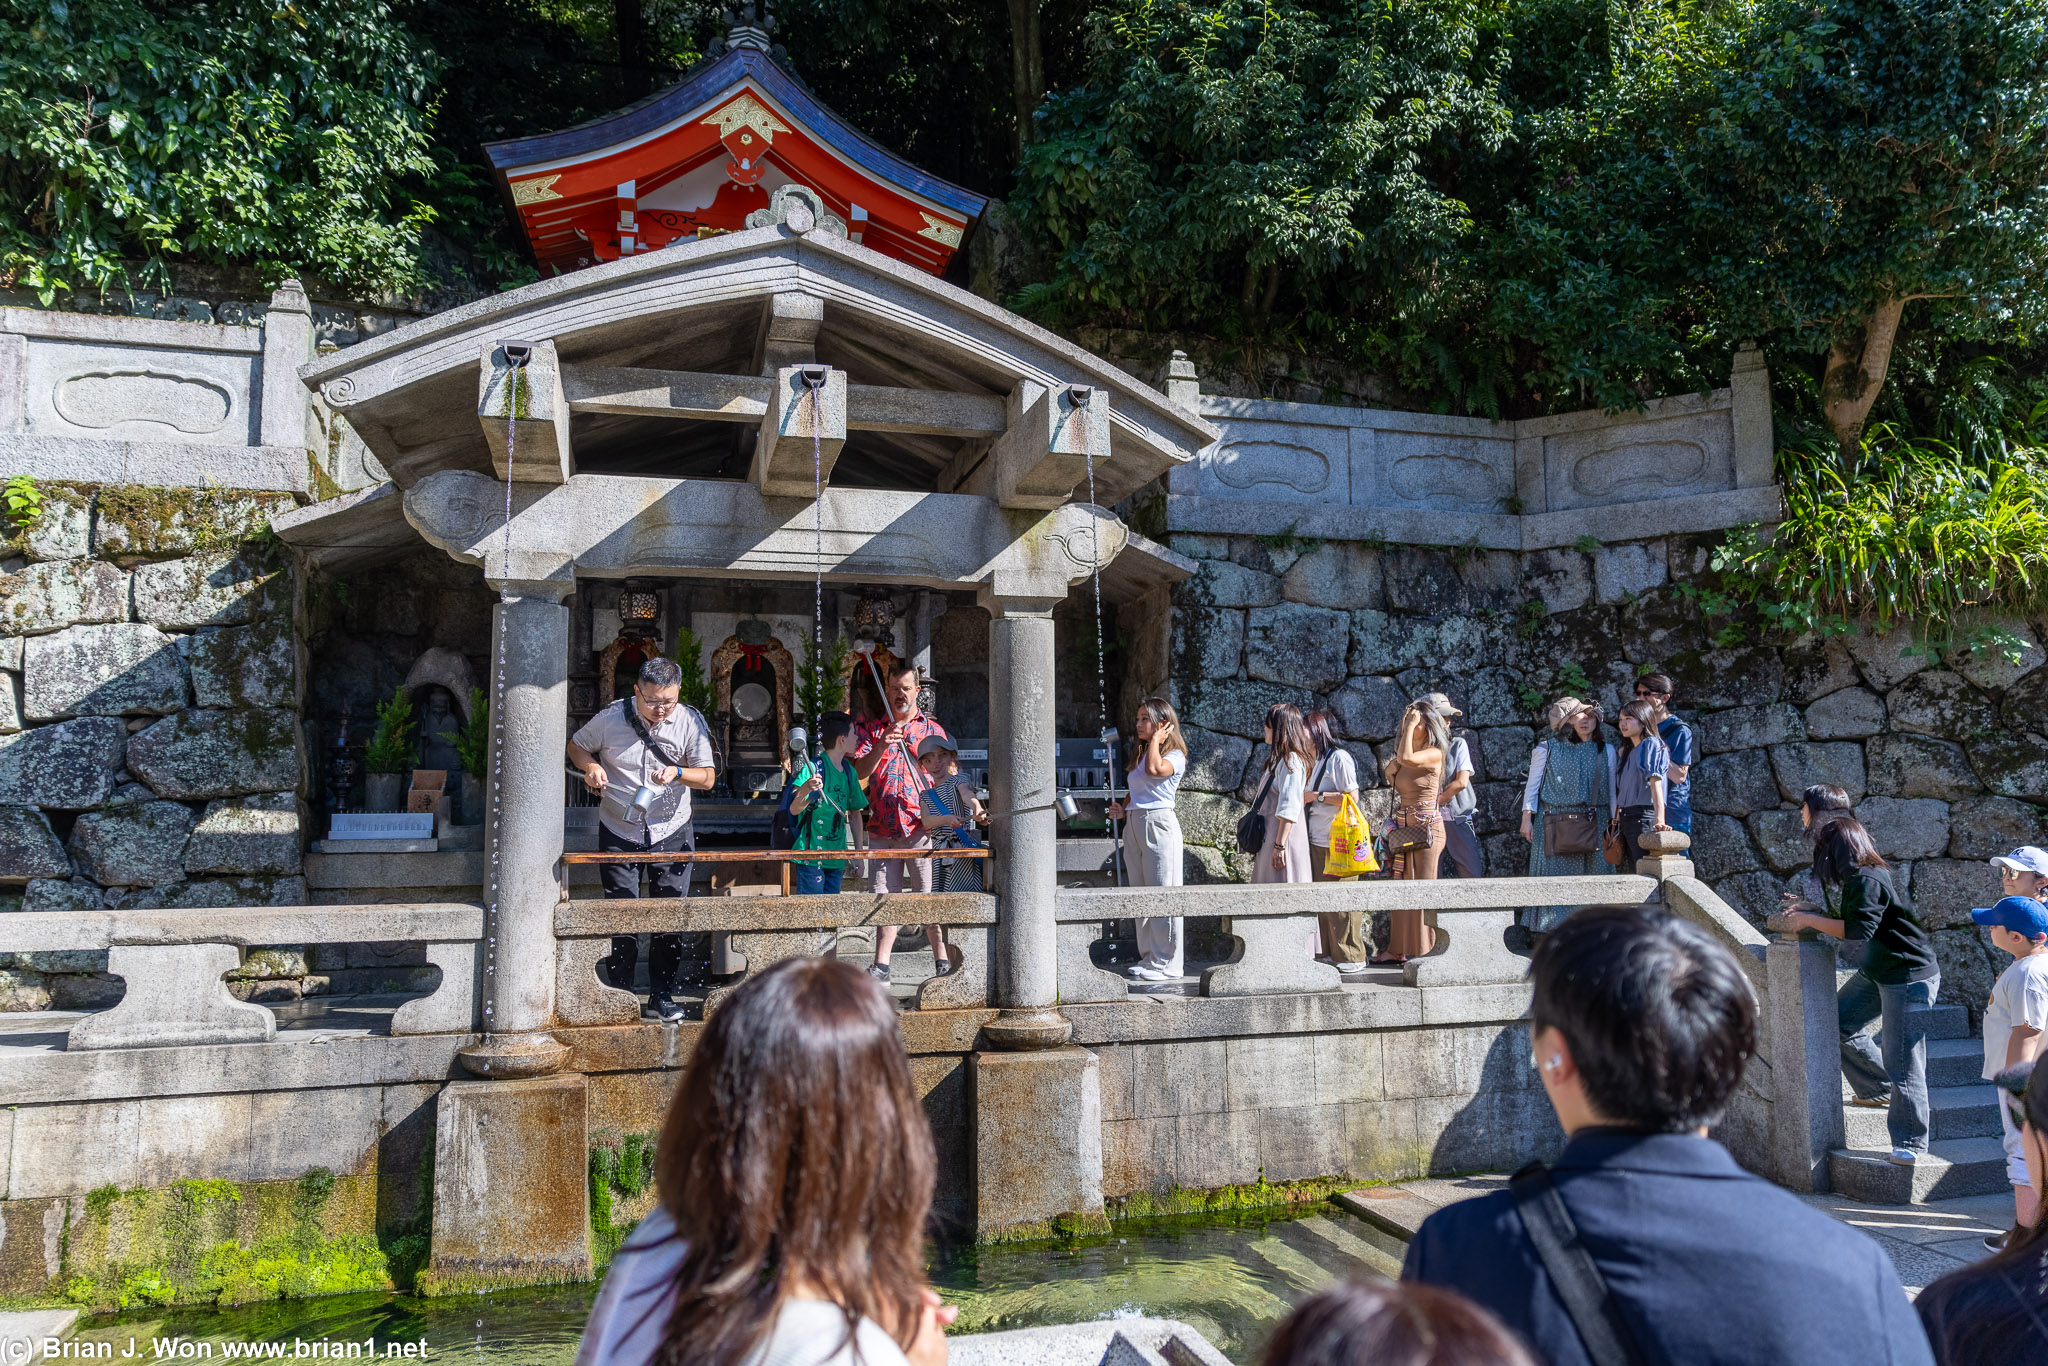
x=1806 y=1059
x=1037 y=1145
x=523 y=833
x=287 y=344
x=1023 y=783
x=511 y=1185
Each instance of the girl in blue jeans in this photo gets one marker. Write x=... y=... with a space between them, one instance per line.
x=1896 y=978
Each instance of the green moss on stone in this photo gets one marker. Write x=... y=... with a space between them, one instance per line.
x=621 y=1189
x=142 y=520
x=223 y=1242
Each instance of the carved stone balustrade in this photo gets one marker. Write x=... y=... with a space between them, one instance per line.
x=174 y=963
x=766 y=930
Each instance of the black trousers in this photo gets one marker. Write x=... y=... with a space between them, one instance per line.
x=1636 y=822
x=666 y=953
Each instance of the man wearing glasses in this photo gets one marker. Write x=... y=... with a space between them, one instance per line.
x=647 y=741
x=1678 y=738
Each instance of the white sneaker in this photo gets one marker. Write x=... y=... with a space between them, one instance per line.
x=1147 y=974
x=1353 y=969
x=1904 y=1157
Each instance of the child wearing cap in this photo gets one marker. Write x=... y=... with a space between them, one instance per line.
x=2015 y=1024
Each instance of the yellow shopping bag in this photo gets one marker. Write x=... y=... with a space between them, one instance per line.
x=1350 y=842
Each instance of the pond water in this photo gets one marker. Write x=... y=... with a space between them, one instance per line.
x=1231 y=1277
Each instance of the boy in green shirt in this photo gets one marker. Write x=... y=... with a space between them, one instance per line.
x=826 y=808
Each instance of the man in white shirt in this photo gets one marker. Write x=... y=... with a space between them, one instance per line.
x=647 y=740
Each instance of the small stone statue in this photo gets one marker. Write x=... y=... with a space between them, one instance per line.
x=439 y=725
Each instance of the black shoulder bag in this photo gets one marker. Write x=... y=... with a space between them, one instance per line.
x=1578 y=1282
x=1251 y=826
x=646 y=736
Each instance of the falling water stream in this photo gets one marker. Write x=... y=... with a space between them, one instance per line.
x=1231 y=1277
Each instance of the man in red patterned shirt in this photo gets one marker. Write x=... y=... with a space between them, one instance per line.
x=883 y=760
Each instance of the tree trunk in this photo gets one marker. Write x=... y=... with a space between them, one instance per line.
x=629 y=26
x=1027 y=68
x=1855 y=376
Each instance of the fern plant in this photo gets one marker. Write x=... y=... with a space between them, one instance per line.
x=393 y=746
x=821 y=683
x=695 y=690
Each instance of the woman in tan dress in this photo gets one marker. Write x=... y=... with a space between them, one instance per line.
x=1417 y=774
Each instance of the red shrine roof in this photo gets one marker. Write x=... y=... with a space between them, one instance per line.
x=697 y=158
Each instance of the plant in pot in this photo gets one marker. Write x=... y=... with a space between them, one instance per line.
x=392 y=751
x=473 y=747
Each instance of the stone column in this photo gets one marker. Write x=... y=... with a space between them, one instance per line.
x=1023 y=783
x=523 y=833
x=1806 y=1059
x=287 y=344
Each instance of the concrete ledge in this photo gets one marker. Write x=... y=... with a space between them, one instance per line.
x=339 y=872
x=22 y=1334
x=1240 y=900
x=586 y=919
x=1145 y=1019
x=1120 y=1342
x=102 y=328
x=243 y=926
x=160 y=464
x=297 y=1061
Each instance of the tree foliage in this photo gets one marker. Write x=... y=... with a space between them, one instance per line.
x=272 y=133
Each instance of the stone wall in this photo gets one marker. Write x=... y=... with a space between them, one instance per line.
x=1947 y=758
x=150 y=753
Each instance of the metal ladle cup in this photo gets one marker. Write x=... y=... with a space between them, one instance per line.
x=646 y=797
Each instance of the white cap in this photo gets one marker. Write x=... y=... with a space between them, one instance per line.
x=2025 y=859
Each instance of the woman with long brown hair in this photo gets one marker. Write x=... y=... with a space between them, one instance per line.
x=1152 y=842
x=1285 y=857
x=795 y=1172
x=1417 y=834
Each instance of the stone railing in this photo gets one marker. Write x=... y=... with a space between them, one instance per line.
x=1275 y=927
x=174 y=963
x=765 y=930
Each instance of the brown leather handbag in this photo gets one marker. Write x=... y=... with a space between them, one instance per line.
x=1571 y=832
x=1615 y=849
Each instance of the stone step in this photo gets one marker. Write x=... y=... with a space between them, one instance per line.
x=1957 y=1166
x=1955 y=1062
x=1959 y=1112
x=1946 y=1022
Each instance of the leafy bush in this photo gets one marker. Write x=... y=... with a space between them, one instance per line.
x=695 y=690
x=473 y=741
x=821 y=682
x=393 y=746
x=273 y=133
x=1920 y=532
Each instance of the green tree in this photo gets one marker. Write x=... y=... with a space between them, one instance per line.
x=273 y=133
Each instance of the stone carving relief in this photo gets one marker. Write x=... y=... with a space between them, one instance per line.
x=1641 y=466
x=98 y=399
x=1456 y=483
x=1249 y=463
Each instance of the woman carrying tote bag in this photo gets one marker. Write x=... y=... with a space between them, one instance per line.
x=1641 y=771
x=1567 y=802
x=1152 y=843
x=1335 y=776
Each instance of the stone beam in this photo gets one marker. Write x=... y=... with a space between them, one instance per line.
x=539 y=437
x=790 y=320
x=609 y=526
x=744 y=398
x=801 y=433
x=1041 y=458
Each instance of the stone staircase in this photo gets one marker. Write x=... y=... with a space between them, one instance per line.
x=1965 y=1157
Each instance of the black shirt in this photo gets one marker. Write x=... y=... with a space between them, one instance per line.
x=1895 y=946
x=1991 y=1314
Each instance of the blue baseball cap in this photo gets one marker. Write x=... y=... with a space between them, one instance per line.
x=2020 y=914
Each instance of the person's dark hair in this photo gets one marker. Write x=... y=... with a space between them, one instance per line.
x=1290 y=736
x=1159 y=712
x=1656 y=683
x=661 y=673
x=897 y=670
x=1645 y=715
x=833 y=725
x=795 y=1151
x=1320 y=732
x=1998 y=1320
x=1822 y=798
x=1403 y=1324
x=1842 y=848
x=1659 y=1018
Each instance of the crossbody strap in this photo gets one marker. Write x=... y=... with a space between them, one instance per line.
x=1578 y=1282
x=654 y=746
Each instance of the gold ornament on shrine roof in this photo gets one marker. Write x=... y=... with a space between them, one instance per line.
x=746 y=112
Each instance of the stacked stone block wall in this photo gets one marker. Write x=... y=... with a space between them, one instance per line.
x=150 y=677
x=1947 y=757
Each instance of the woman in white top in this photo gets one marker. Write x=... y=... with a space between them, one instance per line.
x=1152 y=844
x=1341 y=934
x=1285 y=856
x=795 y=1173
